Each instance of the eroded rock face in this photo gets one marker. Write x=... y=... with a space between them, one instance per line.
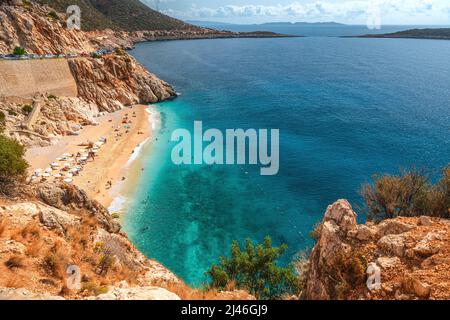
x=413 y=255
x=66 y=196
x=338 y=220
x=30 y=27
x=64 y=228
x=55 y=117
x=137 y=293
x=115 y=81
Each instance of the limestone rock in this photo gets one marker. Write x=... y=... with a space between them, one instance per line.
x=65 y=196
x=19 y=214
x=425 y=221
x=23 y=294
x=33 y=30
x=342 y=214
x=57 y=219
x=428 y=245
x=389 y=227
x=12 y=247
x=115 y=81
x=393 y=243
x=415 y=286
x=388 y=262
x=137 y=293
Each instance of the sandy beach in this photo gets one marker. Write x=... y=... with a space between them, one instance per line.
x=111 y=163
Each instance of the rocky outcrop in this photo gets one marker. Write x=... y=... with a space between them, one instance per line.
x=24 y=294
x=54 y=226
x=412 y=254
x=54 y=117
x=114 y=81
x=69 y=197
x=125 y=292
x=29 y=25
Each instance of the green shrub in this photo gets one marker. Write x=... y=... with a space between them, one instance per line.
x=52 y=97
x=348 y=273
x=2 y=121
x=93 y=288
x=13 y=166
x=256 y=269
x=19 y=51
x=115 y=215
x=11 y=112
x=26 y=109
x=105 y=263
x=52 y=14
x=409 y=194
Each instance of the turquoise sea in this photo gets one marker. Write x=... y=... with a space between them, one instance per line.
x=346 y=108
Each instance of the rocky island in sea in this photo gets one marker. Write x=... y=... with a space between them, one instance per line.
x=423 y=33
x=73 y=104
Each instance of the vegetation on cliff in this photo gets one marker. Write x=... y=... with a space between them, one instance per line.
x=410 y=194
x=12 y=164
x=127 y=15
x=256 y=269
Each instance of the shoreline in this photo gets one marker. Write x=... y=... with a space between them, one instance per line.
x=116 y=161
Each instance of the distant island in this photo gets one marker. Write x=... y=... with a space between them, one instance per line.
x=429 y=33
x=217 y=23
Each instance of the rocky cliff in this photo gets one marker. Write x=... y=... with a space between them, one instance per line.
x=412 y=255
x=114 y=81
x=50 y=227
x=106 y=83
x=30 y=26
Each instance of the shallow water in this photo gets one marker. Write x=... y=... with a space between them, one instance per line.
x=346 y=109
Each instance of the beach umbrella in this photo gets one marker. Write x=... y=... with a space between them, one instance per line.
x=46 y=175
x=38 y=170
x=68 y=180
x=59 y=159
x=48 y=170
x=57 y=175
x=67 y=165
x=54 y=164
x=67 y=155
x=69 y=175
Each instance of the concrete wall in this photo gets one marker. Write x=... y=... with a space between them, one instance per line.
x=25 y=78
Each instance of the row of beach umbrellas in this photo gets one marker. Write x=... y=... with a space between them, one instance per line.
x=67 y=165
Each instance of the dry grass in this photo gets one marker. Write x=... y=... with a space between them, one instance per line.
x=35 y=248
x=15 y=282
x=2 y=227
x=31 y=232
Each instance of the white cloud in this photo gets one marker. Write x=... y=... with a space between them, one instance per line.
x=322 y=10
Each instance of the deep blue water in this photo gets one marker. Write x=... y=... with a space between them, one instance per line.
x=346 y=109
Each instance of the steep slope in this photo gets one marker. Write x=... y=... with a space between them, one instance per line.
x=126 y=15
x=30 y=27
x=412 y=255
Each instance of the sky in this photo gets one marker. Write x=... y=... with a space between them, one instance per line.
x=393 y=12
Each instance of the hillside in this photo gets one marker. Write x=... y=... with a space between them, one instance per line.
x=412 y=254
x=439 y=34
x=127 y=15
